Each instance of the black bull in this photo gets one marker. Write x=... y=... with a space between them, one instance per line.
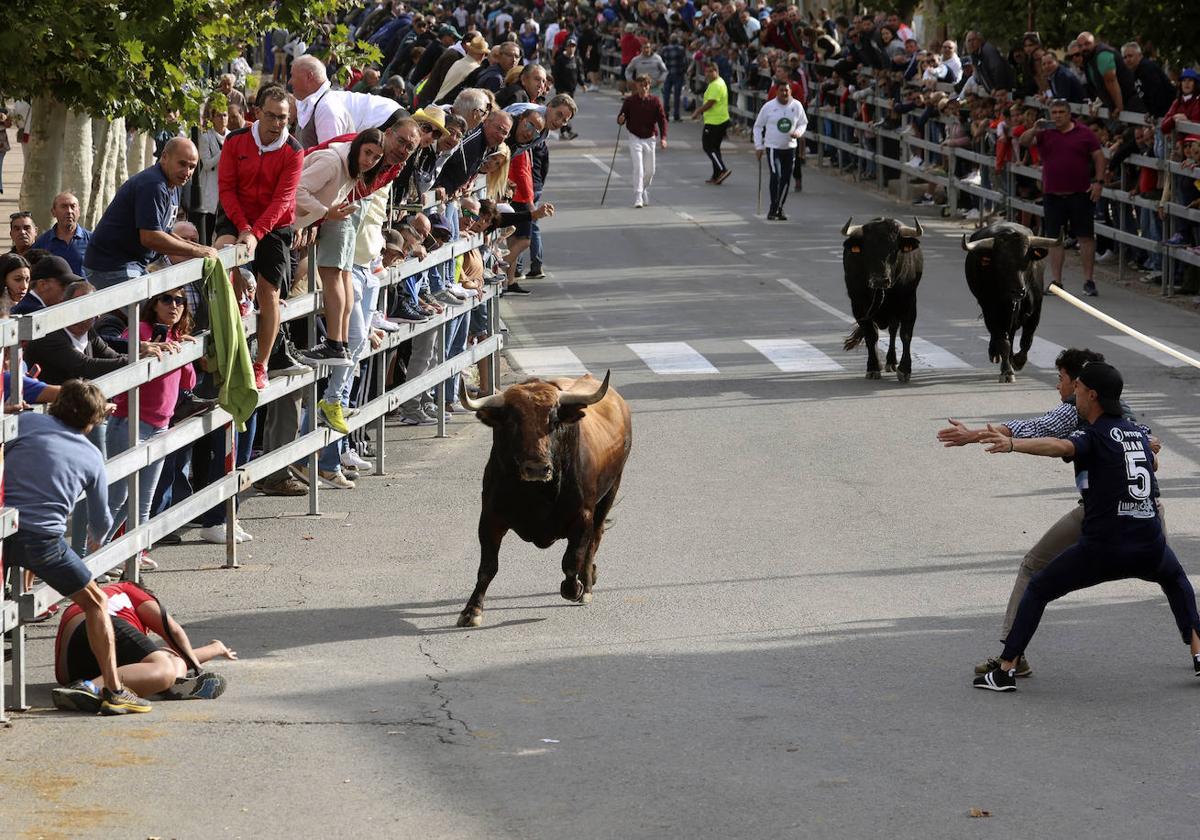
x=883 y=265
x=558 y=451
x=1004 y=272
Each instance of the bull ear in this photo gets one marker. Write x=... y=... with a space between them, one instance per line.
x=1035 y=254
x=909 y=244
x=490 y=416
x=571 y=413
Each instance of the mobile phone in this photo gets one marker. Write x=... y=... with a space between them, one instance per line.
x=158 y=332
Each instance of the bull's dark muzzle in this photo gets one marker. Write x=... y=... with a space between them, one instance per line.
x=536 y=471
x=880 y=281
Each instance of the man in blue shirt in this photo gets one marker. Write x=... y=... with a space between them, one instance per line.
x=137 y=224
x=1121 y=536
x=67 y=238
x=48 y=465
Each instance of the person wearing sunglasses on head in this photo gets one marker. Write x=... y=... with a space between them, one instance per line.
x=22 y=230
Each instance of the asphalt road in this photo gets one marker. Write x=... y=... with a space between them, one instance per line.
x=796 y=586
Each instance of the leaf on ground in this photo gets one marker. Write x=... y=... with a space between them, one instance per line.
x=978 y=812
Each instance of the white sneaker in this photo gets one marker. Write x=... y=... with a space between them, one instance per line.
x=239 y=535
x=637 y=202
x=972 y=214
x=975 y=178
x=645 y=198
x=379 y=322
x=214 y=534
x=916 y=162
x=354 y=461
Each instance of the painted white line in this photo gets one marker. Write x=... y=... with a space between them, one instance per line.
x=928 y=355
x=547 y=361
x=1142 y=349
x=792 y=355
x=603 y=166
x=816 y=301
x=672 y=357
x=687 y=217
x=1041 y=355
x=735 y=249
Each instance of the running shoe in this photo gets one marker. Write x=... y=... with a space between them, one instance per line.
x=1196 y=663
x=381 y=323
x=720 y=179
x=536 y=273
x=203 y=686
x=418 y=419
x=993 y=662
x=326 y=354
x=997 y=680
x=284 y=363
x=82 y=696
x=1089 y=289
x=352 y=460
x=515 y=288
x=409 y=314
x=334 y=416
x=260 y=376
x=123 y=702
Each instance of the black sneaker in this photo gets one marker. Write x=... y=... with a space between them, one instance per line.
x=780 y=216
x=772 y=216
x=535 y=273
x=81 y=696
x=326 y=354
x=284 y=363
x=409 y=314
x=515 y=289
x=992 y=663
x=1089 y=289
x=997 y=680
x=123 y=702
x=720 y=179
x=1196 y=663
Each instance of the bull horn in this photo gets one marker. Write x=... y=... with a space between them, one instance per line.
x=849 y=230
x=573 y=398
x=1045 y=241
x=916 y=232
x=494 y=401
x=984 y=244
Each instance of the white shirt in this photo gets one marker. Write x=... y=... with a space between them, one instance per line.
x=950 y=68
x=345 y=112
x=551 y=31
x=80 y=341
x=305 y=106
x=778 y=122
x=751 y=26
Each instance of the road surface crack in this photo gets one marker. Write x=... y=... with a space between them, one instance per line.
x=448 y=728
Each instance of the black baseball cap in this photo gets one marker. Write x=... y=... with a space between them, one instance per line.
x=1106 y=381
x=53 y=268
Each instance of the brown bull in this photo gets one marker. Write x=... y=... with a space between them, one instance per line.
x=558 y=450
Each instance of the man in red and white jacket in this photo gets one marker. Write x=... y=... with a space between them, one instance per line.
x=256 y=180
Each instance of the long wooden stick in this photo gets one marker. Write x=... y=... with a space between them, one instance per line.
x=1130 y=331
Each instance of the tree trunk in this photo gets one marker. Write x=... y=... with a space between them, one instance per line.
x=109 y=143
x=77 y=159
x=120 y=172
x=43 y=159
x=136 y=153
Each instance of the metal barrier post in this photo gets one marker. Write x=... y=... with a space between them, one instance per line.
x=494 y=329
x=134 y=416
x=439 y=391
x=231 y=561
x=380 y=371
x=1121 y=213
x=18 y=644
x=310 y=394
x=951 y=182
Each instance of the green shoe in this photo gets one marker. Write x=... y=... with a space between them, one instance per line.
x=335 y=418
x=992 y=663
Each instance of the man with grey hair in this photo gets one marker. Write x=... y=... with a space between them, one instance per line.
x=472 y=104
x=323 y=113
x=1152 y=84
x=66 y=238
x=504 y=57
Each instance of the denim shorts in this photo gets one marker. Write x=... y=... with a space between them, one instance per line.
x=50 y=558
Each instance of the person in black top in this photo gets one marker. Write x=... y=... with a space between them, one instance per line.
x=1121 y=537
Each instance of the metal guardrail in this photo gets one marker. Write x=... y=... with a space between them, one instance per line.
x=27 y=605
x=861 y=143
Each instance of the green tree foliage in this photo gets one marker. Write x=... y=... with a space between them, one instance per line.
x=141 y=59
x=1164 y=25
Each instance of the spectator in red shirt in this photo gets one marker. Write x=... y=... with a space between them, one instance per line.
x=142 y=664
x=631 y=46
x=257 y=178
x=642 y=113
x=528 y=126
x=1071 y=154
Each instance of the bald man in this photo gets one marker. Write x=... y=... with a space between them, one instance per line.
x=67 y=238
x=323 y=114
x=137 y=224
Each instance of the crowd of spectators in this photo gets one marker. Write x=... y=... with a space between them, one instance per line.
x=355 y=169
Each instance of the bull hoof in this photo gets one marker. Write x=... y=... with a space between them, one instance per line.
x=571 y=589
x=891 y=367
x=1018 y=361
x=586 y=599
x=1008 y=377
x=470 y=618
x=903 y=375
x=874 y=374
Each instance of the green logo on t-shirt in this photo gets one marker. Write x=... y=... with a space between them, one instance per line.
x=784 y=125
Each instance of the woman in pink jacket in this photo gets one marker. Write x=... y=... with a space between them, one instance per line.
x=168 y=316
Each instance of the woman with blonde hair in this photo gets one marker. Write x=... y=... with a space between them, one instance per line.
x=495 y=169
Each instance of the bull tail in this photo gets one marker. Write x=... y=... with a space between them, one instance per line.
x=855 y=338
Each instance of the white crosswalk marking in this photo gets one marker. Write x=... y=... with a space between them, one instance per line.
x=1131 y=343
x=547 y=361
x=792 y=355
x=672 y=358
x=928 y=355
x=1043 y=353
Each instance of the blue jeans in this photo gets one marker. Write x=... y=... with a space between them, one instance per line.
x=456 y=342
x=672 y=90
x=535 y=238
x=118 y=493
x=337 y=387
x=106 y=279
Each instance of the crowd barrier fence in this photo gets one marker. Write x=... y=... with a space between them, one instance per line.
x=24 y=606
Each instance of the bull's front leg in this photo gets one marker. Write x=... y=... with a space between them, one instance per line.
x=907 y=322
x=871 y=334
x=1027 y=330
x=891 y=351
x=491 y=533
x=1006 y=359
x=577 y=561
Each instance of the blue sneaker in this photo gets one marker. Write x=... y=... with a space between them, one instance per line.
x=79 y=696
x=203 y=686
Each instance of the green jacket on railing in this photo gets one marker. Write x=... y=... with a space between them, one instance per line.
x=228 y=357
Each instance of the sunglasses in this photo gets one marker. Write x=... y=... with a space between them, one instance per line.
x=177 y=300
x=20 y=214
x=426 y=128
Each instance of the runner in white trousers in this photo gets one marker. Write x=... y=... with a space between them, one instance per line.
x=643 y=115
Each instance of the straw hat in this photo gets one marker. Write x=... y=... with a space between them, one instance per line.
x=433 y=116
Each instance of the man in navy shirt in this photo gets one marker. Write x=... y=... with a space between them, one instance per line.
x=1121 y=536
x=137 y=224
x=67 y=238
x=48 y=283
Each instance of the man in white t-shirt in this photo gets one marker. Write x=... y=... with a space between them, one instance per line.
x=777 y=130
